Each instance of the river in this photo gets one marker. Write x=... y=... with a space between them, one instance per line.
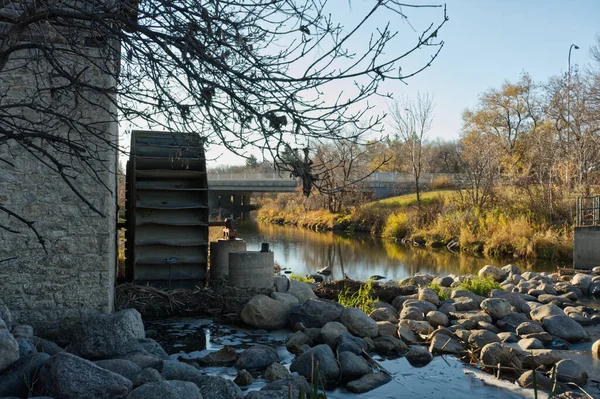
x=361 y=256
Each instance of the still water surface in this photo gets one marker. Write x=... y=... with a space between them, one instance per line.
x=360 y=256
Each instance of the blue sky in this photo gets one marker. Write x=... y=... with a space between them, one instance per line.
x=486 y=43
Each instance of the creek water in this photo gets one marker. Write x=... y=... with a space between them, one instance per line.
x=361 y=256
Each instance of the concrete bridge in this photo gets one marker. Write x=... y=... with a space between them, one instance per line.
x=231 y=192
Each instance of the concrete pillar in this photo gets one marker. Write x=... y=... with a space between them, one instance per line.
x=251 y=269
x=586 y=247
x=219 y=256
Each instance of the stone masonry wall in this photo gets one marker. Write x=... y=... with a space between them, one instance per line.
x=75 y=278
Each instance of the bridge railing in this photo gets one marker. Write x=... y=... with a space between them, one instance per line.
x=249 y=176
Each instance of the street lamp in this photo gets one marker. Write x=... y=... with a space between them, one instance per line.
x=569 y=93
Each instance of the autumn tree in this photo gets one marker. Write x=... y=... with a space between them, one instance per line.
x=411 y=120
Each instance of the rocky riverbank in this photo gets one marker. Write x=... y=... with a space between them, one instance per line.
x=536 y=323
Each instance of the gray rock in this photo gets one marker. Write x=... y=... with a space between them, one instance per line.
x=494 y=272
x=215 y=387
x=226 y=356
x=126 y=368
x=540 y=357
x=465 y=304
x=147 y=375
x=265 y=313
x=257 y=358
x=497 y=308
x=316 y=313
x=530 y=343
x=70 y=377
x=368 y=382
x=527 y=328
x=176 y=370
x=6 y=315
x=425 y=306
x=328 y=365
x=418 y=327
x=287 y=299
x=20 y=376
x=295 y=340
x=514 y=299
x=297 y=382
x=412 y=313
x=350 y=343
x=418 y=356
x=596 y=349
x=508 y=337
x=22 y=331
x=358 y=323
x=406 y=334
x=272 y=394
x=26 y=346
x=387 y=329
x=45 y=346
x=398 y=301
x=166 y=390
x=511 y=322
x=483 y=325
x=540 y=313
x=302 y=291
x=582 y=281
x=331 y=332
x=447 y=308
x=105 y=336
x=153 y=348
x=276 y=372
x=443 y=281
x=353 y=366
x=565 y=328
x=9 y=349
x=429 y=295
x=474 y=316
x=495 y=353
x=390 y=346
x=511 y=269
x=442 y=343
x=384 y=314
x=243 y=378
x=436 y=319
x=568 y=370
x=542 y=382
x=143 y=359
x=480 y=338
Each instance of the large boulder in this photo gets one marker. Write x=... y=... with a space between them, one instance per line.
x=515 y=299
x=384 y=314
x=442 y=343
x=106 y=336
x=480 y=338
x=316 y=313
x=495 y=353
x=297 y=382
x=496 y=307
x=565 y=328
x=9 y=349
x=257 y=358
x=67 y=376
x=418 y=356
x=211 y=386
x=126 y=368
x=302 y=291
x=424 y=306
x=390 y=346
x=276 y=372
x=596 y=349
x=568 y=370
x=331 y=332
x=387 y=329
x=494 y=272
x=358 y=323
x=153 y=348
x=541 y=381
x=350 y=343
x=166 y=390
x=368 y=382
x=18 y=379
x=353 y=366
x=429 y=295
x=582 y=281
x=437 y=319
x=328 y=365
x=528 y=327
x=265 y=313
x=541 y=312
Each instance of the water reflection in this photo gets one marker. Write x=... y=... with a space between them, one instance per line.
x=361 y=256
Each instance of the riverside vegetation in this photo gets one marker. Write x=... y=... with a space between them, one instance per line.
x=511 y=228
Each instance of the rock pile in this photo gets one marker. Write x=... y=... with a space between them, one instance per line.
x=537 y=313
x=109 y=357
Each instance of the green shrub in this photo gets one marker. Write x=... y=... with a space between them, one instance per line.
x=361 y=299
x=442 y=292
x=481 y=286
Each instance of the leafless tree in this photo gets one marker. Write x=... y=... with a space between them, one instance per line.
x=411 y=121
x=242 y=74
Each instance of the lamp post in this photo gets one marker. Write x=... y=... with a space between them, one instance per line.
x=569 y=93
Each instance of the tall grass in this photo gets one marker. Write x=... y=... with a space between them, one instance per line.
x=481 y=286
x=361 y=299
x=396 y=226
x=442 y=292
x=299 y=277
